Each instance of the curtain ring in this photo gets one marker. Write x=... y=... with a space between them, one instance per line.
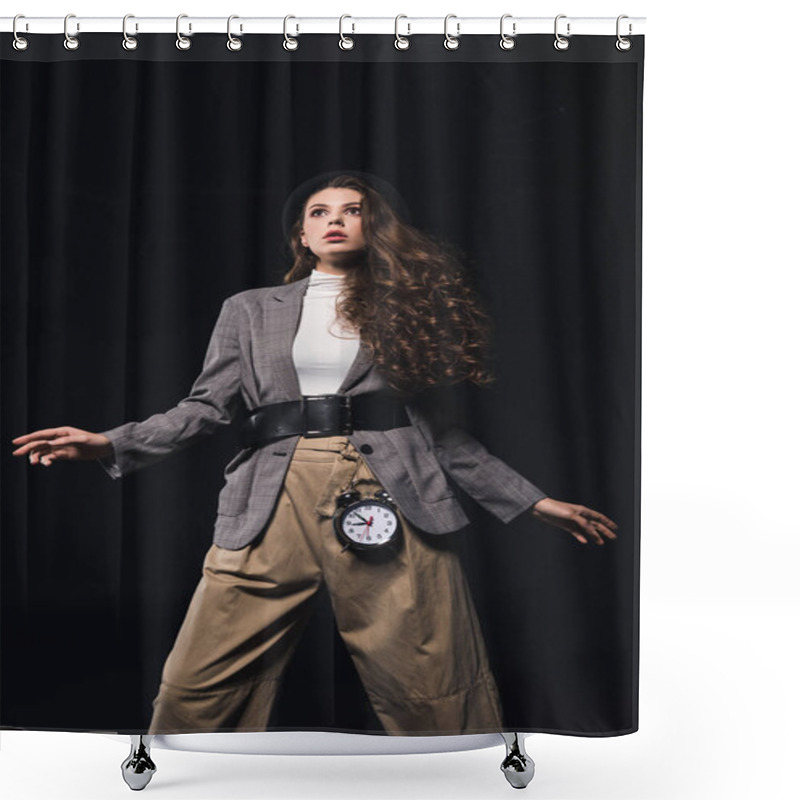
x=182 y=42
x=561 y=43
x=345 y=42
x=288 y=42
x=129 y=42
x=622 y=43
x=400 y=42
x=70 y=42
x=233 y=44
x=20 y=42
x=451 y=42
x=507 y=42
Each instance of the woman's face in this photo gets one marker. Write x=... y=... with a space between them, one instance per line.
x=332 y=224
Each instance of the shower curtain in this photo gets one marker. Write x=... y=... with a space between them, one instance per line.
x=142 y=188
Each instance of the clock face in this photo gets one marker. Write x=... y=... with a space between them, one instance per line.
x=368 y=523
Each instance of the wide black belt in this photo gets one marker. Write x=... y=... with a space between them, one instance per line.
x=323 y=415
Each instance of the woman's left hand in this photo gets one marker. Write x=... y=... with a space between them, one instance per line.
x=580 y=521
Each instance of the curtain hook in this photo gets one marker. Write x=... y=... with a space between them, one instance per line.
x=622 y=43
x=182 y=42
x=451 y=42
x=507 y=42
x=345 y=42
x=20 y=42
x=71 y=42
x=129 y=42
x=400 y=42
x=288 y=42
x=561 y=43
x=233 y=44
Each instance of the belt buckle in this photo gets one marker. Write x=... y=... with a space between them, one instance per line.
x=346 y=414
x=342 y=425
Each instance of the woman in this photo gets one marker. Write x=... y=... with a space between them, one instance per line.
x=341 y=371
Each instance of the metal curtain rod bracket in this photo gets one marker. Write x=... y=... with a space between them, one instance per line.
x=463 y=26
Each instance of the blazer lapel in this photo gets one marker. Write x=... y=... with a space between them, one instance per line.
x=361 y=363
x=282 y=321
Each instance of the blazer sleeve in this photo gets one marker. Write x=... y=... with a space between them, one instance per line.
x=212 y=402
x=491 y=482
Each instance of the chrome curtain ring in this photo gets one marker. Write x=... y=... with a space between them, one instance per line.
x=288 y=42
x=508 y=42
x=400 y=42
x=561 y=42
x=233 y=44
x=71 y=42
x=20 y=42
x=622 y=43
x=345 y=42
x=451 y=42
x=129 y=42
x=182 y=42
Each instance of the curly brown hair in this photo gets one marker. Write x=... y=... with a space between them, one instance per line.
x=409 y=297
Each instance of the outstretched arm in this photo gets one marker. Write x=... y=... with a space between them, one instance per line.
x=581 y=522
x=500 y=489
x=211 y=403
x=493 y=483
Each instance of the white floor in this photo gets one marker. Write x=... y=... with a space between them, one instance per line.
x=719 y=703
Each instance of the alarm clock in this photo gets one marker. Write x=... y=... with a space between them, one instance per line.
x=366 y=523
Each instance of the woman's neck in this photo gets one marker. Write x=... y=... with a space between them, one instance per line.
x=339 y=267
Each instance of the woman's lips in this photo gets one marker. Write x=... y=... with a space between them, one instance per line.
x=335 y=236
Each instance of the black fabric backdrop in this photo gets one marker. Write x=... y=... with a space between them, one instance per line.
x=139 y=189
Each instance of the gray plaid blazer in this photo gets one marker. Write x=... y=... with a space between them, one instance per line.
x=249 y=363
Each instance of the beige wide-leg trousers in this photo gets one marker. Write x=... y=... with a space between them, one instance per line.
x=408 y=621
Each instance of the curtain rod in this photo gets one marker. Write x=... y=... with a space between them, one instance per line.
x=567 y=26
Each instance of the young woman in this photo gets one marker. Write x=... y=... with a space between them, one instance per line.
x=343 y=477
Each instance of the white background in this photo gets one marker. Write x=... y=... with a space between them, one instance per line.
x=719 y=599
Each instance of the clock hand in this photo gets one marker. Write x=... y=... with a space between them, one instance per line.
x=368 y=524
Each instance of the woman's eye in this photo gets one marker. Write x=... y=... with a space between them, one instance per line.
x=313 y=212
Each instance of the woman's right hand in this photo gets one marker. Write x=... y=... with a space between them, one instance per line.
x=64 y=443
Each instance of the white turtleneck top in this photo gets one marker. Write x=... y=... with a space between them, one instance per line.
x=322 y=350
